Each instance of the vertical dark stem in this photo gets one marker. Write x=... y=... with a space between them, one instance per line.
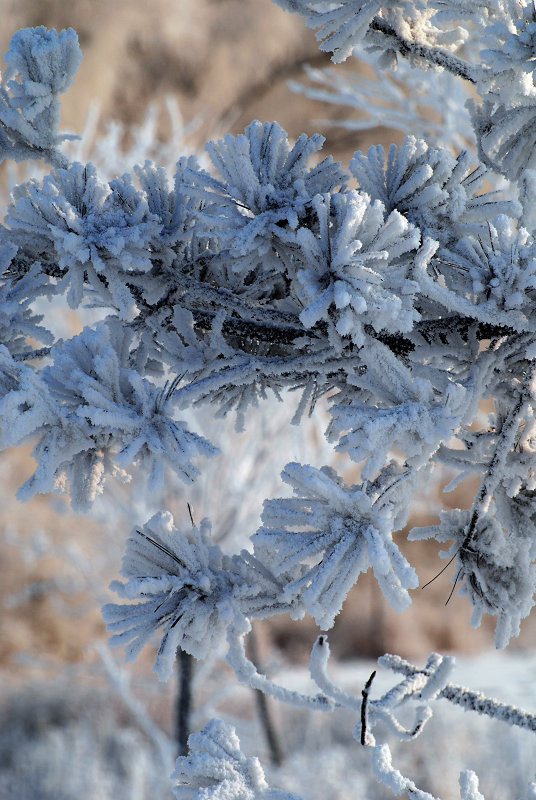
x=263 y=708
x=184 y=700
x=364 y=695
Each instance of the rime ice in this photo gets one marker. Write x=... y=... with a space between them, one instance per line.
x=401 y=289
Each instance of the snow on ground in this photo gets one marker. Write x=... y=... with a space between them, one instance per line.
x=62 y=742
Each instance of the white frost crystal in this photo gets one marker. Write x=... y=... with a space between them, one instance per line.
x=358 y=272
x=216 y=769
x=44 y=63
x=181 y=581
x=101 y=416
x=328 y=534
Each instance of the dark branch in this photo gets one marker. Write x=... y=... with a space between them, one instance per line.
x=434 y=55
x=185 y=663
x=263 y=708
x=364 y=695
x=283 y=333
x=250 y=329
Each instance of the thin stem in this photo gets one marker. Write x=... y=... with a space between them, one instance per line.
x=476 y=701
x=493 y=473
x=42 y=352
x=364 y=695
x=434 y=55
x=184 y=700
x=246 y=672
x=263 y=708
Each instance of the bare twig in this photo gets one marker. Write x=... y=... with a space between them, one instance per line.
x=364 y=695
x=493 y=473
x=263 y=708
x=184 y=700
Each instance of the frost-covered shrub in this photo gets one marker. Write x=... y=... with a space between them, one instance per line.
x=400 y=289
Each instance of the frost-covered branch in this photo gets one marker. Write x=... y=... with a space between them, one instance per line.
x=505 y=439
x=433 y=55
x=216 y=763
x=469 y=700
x=40 y=65
x=402 y=289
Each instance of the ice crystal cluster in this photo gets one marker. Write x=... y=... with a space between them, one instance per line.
x=217 y=767
x=401 y=288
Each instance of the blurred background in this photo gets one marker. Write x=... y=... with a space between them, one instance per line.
x=157 y=80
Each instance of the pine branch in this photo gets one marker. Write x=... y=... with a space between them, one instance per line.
x=282 y=333
x=494 y=471
x=42 y=352
x=436 y=56
x=249 y=331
